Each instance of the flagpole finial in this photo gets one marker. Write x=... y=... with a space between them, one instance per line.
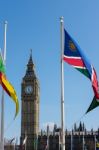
x=61 y=19
x=5 y=23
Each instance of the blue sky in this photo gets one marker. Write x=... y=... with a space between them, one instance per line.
x=36 y=24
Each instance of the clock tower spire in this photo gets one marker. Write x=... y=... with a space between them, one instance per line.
x=30 y=65
x=30 y=106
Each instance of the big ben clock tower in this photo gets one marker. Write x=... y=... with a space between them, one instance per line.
x=30 y=107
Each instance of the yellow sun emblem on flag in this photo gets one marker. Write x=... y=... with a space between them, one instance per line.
x=72 y=46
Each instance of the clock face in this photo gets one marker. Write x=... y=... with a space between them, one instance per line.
x=28 y=89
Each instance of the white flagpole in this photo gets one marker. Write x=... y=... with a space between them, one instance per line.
x=2 y=100
x=62 y=86
x=14 y=145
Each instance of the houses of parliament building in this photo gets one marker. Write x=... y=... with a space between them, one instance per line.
x=79 y=138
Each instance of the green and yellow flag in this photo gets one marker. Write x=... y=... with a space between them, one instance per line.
x=7 y=86
x=2 y=67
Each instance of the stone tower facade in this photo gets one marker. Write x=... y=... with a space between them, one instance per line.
x=30 y=107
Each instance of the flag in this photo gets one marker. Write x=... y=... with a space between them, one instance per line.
x=9 y=90
x=2 y=67
x=74 y=56
x=7 y=85
x=95 y=85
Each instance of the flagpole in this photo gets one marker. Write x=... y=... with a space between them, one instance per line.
x=62 y=86
x=2 y=100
